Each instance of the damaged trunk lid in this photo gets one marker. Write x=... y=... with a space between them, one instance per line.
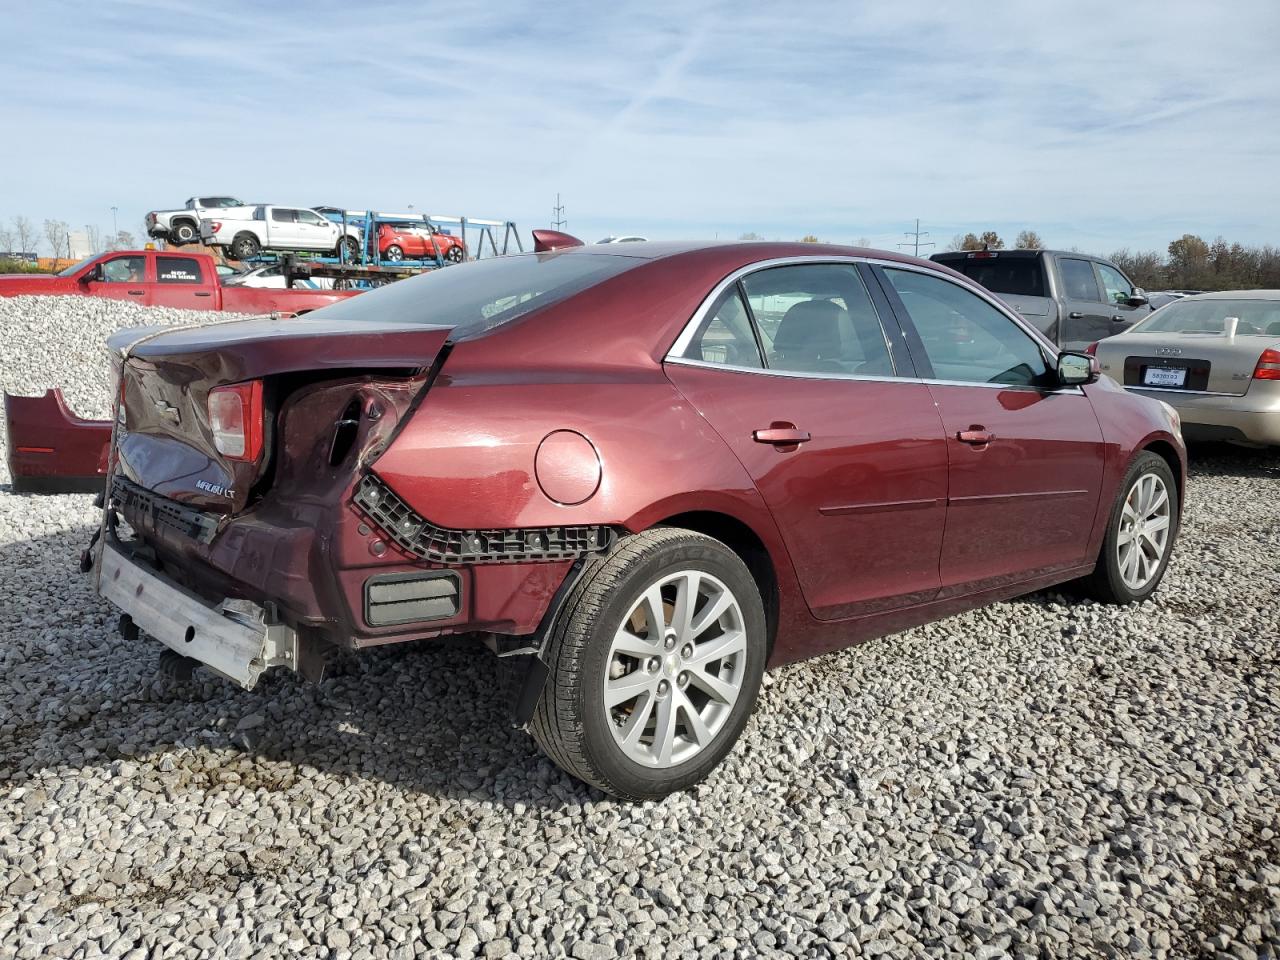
x=164 y=440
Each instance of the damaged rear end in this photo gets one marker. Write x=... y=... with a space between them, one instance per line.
x=229 y=532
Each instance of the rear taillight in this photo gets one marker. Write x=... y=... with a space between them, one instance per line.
x=215 y=225
x=1268 y=367
x=1092 y=349
x=235 y=417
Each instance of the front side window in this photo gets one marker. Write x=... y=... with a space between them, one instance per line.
x=177 y=270
x=1078 y=281
x=965 y=338
x=817 y=318
x=725 y=335
x=306 y=216
x=1118 y=289
x=124 y=270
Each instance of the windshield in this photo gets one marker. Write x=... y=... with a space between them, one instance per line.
x=1019 y=276
x=75 y=268
x=478 y=296
x=1257 y=317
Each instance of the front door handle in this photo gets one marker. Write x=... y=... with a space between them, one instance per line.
x=780 y=435
x=977 y=435
x=137 y=293
x=1117 y=317
x=1075 y=315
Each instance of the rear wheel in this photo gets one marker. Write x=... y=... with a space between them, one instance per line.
x=394 y=253
x=348 y=249
x=245 y=247
x=454 y=254
x=655 y=665
x=1140 y=533
x=183 y=231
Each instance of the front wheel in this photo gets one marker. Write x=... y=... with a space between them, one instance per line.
x=655 y=664
x=454 y=254
x=1140 y=533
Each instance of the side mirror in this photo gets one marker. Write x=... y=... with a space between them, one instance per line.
x=1138 y=297
x=92 y=274
x=1075 y=369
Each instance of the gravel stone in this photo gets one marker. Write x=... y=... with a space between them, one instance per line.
x=1045 y=777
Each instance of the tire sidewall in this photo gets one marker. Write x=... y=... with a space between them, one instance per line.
x=632 y=778
x=1143 y=464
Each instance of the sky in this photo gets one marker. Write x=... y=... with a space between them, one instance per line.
x=1098 y=125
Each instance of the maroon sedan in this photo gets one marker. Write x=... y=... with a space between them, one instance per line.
x=642 y=473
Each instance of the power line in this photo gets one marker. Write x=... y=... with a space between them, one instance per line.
x=915 y=242
x=559 y=222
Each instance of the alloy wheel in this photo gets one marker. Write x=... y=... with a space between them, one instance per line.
x=675 y=668
x=1143 y=538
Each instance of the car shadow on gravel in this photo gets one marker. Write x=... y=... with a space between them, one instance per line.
x=429 y=716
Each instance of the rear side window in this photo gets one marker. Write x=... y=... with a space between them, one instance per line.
x=280 y=215
x=1078 y=281
x=177 y=270
x=1018 y=276
x=478 y=296
x=725 y=336
x=965 y=338
x=817 y=318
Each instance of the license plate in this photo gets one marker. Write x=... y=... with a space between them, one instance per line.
x=1164 y=377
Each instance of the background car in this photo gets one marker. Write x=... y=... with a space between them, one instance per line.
x=398 y=242
x=1213 y=356
x=627 y=239
x=642 y=475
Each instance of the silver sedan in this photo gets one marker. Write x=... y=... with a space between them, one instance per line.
x=1215 y=357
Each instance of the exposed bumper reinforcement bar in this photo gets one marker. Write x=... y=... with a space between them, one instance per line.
x=234 y=638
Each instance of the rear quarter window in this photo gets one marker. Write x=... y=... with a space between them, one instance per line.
x=178 y=270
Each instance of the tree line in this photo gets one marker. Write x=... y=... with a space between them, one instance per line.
x=21 y=235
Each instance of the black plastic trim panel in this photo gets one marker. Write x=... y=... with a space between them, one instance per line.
x=147 y=511
x=422 y=538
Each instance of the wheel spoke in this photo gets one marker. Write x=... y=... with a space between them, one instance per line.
x=629 y=733
x=1158 y=501
x=664 y=730
x=722 y=690
x=1129 y=513
x=1124 y=536
x=686 y=600
x=713 y=612
x=722 y=646
x=626 y=642
x=627 y=687
x=693 y=721
x=1157 y=524
x=657 y=620
x=1130 y=563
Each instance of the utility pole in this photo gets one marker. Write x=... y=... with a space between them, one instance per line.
x=559 y=223
x=115 y=228
x=914 y=240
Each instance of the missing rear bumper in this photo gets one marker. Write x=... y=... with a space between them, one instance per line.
x=235 y=638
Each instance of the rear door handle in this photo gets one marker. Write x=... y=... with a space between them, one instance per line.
x=780 y=436
x=1075 y=315
x=204 y=293
x=137 y=293
x=978 y=436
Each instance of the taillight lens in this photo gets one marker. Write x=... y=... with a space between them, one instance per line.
x=1268 y=367
x=215 y=225
x=1092 y=349
x=235 y=417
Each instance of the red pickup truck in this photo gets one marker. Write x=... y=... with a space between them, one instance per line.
x=163 y=279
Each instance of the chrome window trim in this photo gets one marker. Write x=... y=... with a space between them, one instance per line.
x=801 y=375
x=682 y=342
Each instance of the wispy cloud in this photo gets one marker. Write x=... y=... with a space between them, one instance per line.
x=1098 y=124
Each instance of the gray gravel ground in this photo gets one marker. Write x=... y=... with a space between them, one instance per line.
x=1042 y=778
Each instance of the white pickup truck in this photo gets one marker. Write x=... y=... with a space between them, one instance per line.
x=183 y=226
x=246 y=231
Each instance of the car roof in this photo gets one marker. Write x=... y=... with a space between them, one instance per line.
x=748 y=251
x=1235 y=295
x=964 y=254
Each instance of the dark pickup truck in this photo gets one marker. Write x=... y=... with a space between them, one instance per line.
x=1073 y=298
